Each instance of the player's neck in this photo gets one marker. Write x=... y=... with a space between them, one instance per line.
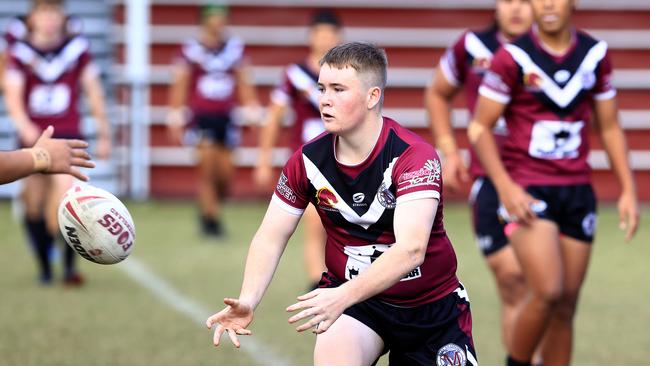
x=355 y=146
x=45 y=40
x=211 y=39
x=556 y=43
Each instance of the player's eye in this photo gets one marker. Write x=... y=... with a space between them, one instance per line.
x=338 y=89
x=321 y=89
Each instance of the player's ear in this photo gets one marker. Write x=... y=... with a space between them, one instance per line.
x=374 y=97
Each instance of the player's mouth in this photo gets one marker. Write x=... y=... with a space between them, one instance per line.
x=326 y=117
x=550 y=18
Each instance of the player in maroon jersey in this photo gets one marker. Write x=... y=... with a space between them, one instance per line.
x=299 y=90
x=391 y=283
x=45 y=76
x=462 y=68
x=547 y=84
x=207 y=76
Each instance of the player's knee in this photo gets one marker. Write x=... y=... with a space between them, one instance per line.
x=512 y=285
x=549 y=295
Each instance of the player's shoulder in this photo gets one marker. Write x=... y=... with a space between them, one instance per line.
x=410 y=138
x=16 y=28
x=319 y=145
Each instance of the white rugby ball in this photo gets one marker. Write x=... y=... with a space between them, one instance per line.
x=96 y=224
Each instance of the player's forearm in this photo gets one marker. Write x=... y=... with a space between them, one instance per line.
x=98 y=108
x=615 y=146
x=385 y=271
x=487 y=152
x=269 y=133
x=439 y=109
x=247 y=92
x=15 y=165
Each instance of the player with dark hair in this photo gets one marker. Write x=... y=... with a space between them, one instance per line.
x=207 y=76
x=48 y=155
x=299 y=90
x=463 y=67
x=391 y=283
x=547 y=84
x=46 y=73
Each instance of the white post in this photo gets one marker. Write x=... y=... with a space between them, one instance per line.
x=137 y=60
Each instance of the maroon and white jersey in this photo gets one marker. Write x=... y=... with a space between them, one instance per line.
x=356 y=206
x=299 y=88
x=465 y=63
x=549 y=101
x=52 y=82
x=16 y=30
x=212 y=75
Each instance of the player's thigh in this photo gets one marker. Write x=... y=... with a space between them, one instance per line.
x=58 y=185
x=347 y=342
x=576 y=255
x=488 y=227
x=33 y=195
x=538 y=250
x=508 y=273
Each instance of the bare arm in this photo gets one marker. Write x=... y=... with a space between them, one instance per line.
x=613 y=140
x=14 y=89
x=412 y=234
x=512 y=196
x=438 y=97
x=178 y=91
x=264 y=253
x=247 y=94
x=93 y=88
x=48 y=155
x=3 y=65
x=267 y=138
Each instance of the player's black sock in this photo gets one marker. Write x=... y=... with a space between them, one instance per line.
x=511 y=362
x=41 y=241
x=69 y=261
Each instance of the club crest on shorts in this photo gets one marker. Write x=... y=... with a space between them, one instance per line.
x=589 y=224
x=451 y=355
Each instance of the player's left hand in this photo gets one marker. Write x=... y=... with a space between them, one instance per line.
x=628 y=213
x=103 y=147
x=323 y=305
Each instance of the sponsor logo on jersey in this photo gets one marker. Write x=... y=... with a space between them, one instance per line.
x=358 y=199
x=284 y=189
x=481 y=65
x=532 y=82
x=561 y=76
x=385 y=197
x=451 y=355
x=326 y=199
x=429 y=174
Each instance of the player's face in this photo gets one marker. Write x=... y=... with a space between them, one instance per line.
x=342 y=99
x=215 y=22
x=322 y=37
x=514 y=17
x=552 y=16
x=47 y=19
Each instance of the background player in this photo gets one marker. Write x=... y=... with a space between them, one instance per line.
x=392 y=281
x=48 y=155
x=463 y=67
x=43 y=81
x=206 y=76
x=546 y=85
x=299 y=90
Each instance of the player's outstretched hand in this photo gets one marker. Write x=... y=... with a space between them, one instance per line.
x=323 y=305
x=518 y=203
x=628 y=213
x=233 y=320
x=454 y=172
x=64 y=155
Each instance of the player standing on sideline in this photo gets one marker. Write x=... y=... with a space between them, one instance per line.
x=463 y=66
x=48 y=155
x=206 y=76
x=299 y=89
x=392 y=281
x=42 y=85
x=546 y=85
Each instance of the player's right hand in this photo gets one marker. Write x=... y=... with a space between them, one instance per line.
x=65 y=155
x=454 y=172
x=233 y=320
x=518 y=203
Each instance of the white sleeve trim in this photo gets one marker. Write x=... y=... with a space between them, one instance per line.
x=493 y=95
x=606 y=95
x=447 y=72
x=286 y=207
x=418 y=196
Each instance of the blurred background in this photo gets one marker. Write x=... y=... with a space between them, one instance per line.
x=149 y=309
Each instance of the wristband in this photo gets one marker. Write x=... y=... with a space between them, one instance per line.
x=41 y=157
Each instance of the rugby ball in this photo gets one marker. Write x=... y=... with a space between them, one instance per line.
x=96 y=224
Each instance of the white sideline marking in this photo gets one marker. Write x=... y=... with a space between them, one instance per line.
x=260 y=353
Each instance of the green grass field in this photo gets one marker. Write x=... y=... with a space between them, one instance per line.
x=115 y=320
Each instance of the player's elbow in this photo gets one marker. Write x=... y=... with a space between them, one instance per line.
x=415 y=254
